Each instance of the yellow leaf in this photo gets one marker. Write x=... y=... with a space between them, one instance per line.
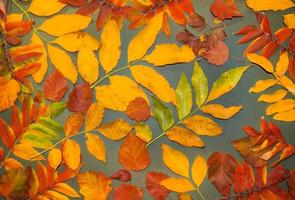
x=177 y=184
x=26 y=152
x=142 y=41
x=45 y=7
x=8 y=93
x=273 y=97
x=88 y=65
x=54 y=158
x=71 y=153
x=76 y=41
x=259 y=5
x=73 y=123
x=199 y=170
x=289 y=20
x=12 y=164
x=281 y=106
x=221 y=112
x=288 y=84
x=65 y=189
x=203 y=125
x=287 y=116
x=175 y=160
x=262 y=85
x=55 y=195
x=96 y=146
x=165 y=54
x=63 y=63
x=14 y=17
x=115 y=130
x=155 y=82
x=94 y=116
x=263 y=62
x=184 y=137
x=64 y=24
x=282 y=64
x=144 y=132
x=39 y=75
x=114 y=95
x=109 y=53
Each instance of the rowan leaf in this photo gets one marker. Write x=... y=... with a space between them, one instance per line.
x=96 y=146
x=184 y=97
x=65 y=23
x=152 y=181
x=155 y=82
x=165 y=54
x=94 y=116
x=287 y=116
x=80 y=98
x=128 y=191
x=110 y=52
x=63 y=63
x=55 y=86
x=178 y=185
x=26 y=152
x=141 y=42
x=65 y=189
x=200 y=83
x=263 y=62
x=71 y=154
x=280 y=106
x=45 y=8
x=133 y=154
x=273 y=97
x=175 y=160
x=138 y=109
x=289 y=20
x=54 y=158
x=9 y=90
x=114 y=96
x=226 y=82
x=199 y=170
x=261 y=5
x=282 y=64
x=87 y=65
x=163 y=114
x=262 y=85
x=221 y=112
x=115 y=130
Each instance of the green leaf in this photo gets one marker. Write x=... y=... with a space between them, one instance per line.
x=56 y=109
x=53 y=135
x=200 y=83
x=226 y=82
x=50 y=123
x=36 y=139
x=163 y=114
x=183 y=97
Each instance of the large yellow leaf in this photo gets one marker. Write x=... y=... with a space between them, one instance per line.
x=109 y=53
x=263 y=62
x=88 y=65
x=64 y=24
x=142 y=41
x=39 y=75
x=8 y=92
x=94 y=116
x=177 y=184
x=281 y=106
x=262 y=85
x=165 y=54
x=273 y=97
x=259 y=5
x=289 y=20
x=221 y=112
x=65 y=189
x=282 y=64
x=45 y=7
x=203 y=125
x=54 y=158
x=184 y=137
x=155 y=82
x=26 y=152
x=199 y=170
x=115 y=130
x=175 y=160
x=71 y=153
x=115 y=96
x=287 y=116
x=96 y=146
x=63 y=62
x=76 y=41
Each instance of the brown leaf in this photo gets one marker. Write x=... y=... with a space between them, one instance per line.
x=128 y=192
x=217 y=54
x=152 y=181
x=133 y=154
x=223 y=9
x=196 y=21
x=138 y=109
x=55 y=86
x=80 y=98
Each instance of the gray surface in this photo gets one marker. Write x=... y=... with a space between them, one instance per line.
x=250 y=115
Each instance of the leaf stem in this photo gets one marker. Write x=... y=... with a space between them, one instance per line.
x=200 y=193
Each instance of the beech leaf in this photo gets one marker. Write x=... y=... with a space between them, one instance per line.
x=80 y=98
x=152 y=181
x=55 y=86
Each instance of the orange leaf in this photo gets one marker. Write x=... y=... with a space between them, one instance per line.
x=55 y=86
x=96 y=146
x=138 y=109
x=73 y=123
x=128 y=192
x=71 y=154
x=115 y=130
x=54 y=158
x=94 y=116
x=223 y=9
x=8 y=93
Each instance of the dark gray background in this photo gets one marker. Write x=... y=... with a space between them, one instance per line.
x=250 y=115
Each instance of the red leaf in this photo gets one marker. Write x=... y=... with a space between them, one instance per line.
x=291 y=67
x=257 y=44
x=283 y=34
x=291 y=45
x=196 y=21
x=2 y=10
x=6 y=134
x=260 y=176
x=122 y=175
x=152 y=181
x=249 y=36
x=187 y=6
x=265 y=27
x=138 y=109
x=269 y=49
x=291 y=184
x=128 y=192
x=165 y=25
x=27 y=70
x=89 y=8
x=80 y=98
x=55 y=86
x=243 y=178
x=245 y=29
x=249 y=130
x=76 y=3
x=103 y=15
x=217 y=54
x=176 y=13
x=133 y=154
x=277 y=175
x=223 y=9
x=221 y=170
x=42 y=177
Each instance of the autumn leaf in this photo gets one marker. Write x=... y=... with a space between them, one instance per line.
x=280 y=106
x=96 y=146
x=143 y=131
x=217 y=54
x=73 y=123
x=122 y=175
x=71 y=154
x=263 y=62
x=45 y=8
x=184 y=97
x=199 y=170
x=87 y=65
x=221 y=112
x=54 y=158
x=243 y=178
x=178 y=185
x=200 y=83
x=138 y=109
x=116 y=130
x=9 y=90
x=289 y=20
x=26 y=152
x=163 y=114
x=273 y=97
x=287 y=116
x=260 y=5
x=152 y=181
x=127 y=192
x=80 y=98
x=133 y=154
x=262 y=85
x=55 y=86
x=94 y=116
x=65 y=189
x=282 y=64
x=224 y=9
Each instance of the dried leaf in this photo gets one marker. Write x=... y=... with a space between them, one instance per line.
x=96 y=146
x=260 y=5
x=80 y=98
x=128 y=192
x=200 y=83
x=94 y=116
x=163 y=114
x=87 y=65
x=184 y=97
x=45 y=8
x=54 y=158
x=9 y=90
x=138 y=109
x=199 y=170
x=71 y=153
x=263 y=62
x=152 y=181
x=177 y=184
x=273 y=97
x=223 y=9
x=55 y=86
x=262 y=85
x=115 y=130
x=221 y=112
x=289 y=20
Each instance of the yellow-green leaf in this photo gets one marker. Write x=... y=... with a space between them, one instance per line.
x=177 y=184
x=199 y=170
x=282 y=64
x=289 y=20
x=163 y=114
x=221 y=112
x=96 y=146
x=273 y=97
x=184 y=97
x=281 y=106
x=263 y=62
x=45 y=7
x=260 y=5
x=200 y=83
x=143 y=131
x=88 y=65
x=175 y=160
x=115 y=130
